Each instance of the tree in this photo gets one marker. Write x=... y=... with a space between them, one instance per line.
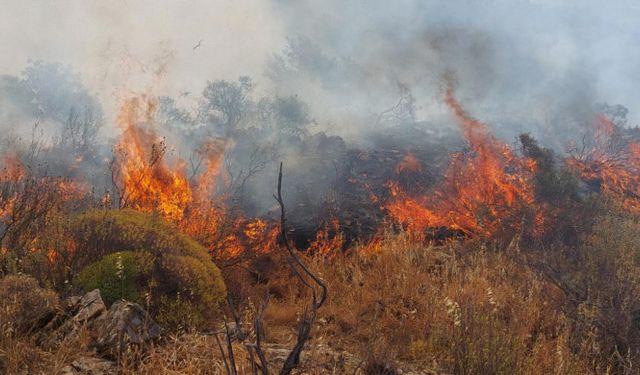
x=53 y=90
x=286 y=115
x=225 y=103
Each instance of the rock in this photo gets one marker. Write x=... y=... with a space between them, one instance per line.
x=90 y=366
x=76 y=313
x=125 y=324
x=315 y=359
x=109 y=331
x=236 y=333
x=90 y=306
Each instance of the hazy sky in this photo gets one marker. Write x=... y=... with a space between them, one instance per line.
x=121 y=45
x=523 y=55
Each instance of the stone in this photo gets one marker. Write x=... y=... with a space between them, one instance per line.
x=110 y=331
x=125 y=324
x=90 y=306
x=76 y=313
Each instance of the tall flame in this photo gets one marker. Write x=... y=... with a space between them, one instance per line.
x=147 y=183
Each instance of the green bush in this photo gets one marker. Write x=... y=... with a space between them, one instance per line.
x=157 y=261
x=101 y=232
x=121 y=275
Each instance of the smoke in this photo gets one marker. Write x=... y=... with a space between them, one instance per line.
x=516 y=62
x=523 y=65
x=124 y=47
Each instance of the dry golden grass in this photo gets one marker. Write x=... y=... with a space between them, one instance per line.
x=463 y=308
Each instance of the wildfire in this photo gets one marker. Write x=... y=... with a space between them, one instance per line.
x=409 y=163
x=147 y=183
x=329 y=241
x=13 y=172
x=481 y=189
x=612 y=163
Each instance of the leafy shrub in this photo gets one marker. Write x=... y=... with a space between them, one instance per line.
x=101 y=232
x=119 y=275
x=156 y=258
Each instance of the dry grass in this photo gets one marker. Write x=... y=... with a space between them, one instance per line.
x=465 y=309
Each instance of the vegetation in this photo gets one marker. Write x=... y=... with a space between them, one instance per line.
x=121 y=275
x=148 y=260
x=464 y=308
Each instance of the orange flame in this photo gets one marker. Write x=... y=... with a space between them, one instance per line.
x=329 y=241
x=12 y=173
x=212 y=153
x=481 y=189
x=147 y=182
x=409 y=163
x=611 y=162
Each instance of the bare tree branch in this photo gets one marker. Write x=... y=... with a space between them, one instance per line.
x=310 y=313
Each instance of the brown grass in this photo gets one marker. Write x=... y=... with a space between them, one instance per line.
x=466 y=309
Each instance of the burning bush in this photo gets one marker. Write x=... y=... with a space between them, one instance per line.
x=156 y=258
x=609 y=160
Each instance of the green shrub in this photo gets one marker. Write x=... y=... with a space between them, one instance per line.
x=121 y=275
x=156 y=258
x=101 y=232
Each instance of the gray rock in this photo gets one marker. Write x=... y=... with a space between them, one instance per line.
x=125 y=324
x=89 y=307
x=110 y=331
x=76 y=313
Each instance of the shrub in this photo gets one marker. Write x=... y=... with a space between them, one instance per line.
x=24 y=304
x=120 y=275
x=155 y=258
x=101 y=232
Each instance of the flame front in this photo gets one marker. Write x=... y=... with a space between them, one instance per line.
x=146 y=182
x=481 y=189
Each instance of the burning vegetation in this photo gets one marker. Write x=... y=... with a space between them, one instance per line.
x=484 y=188
x=609 y=161
x=471 y=244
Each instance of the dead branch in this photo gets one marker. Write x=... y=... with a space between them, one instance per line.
x=300 y=270
x=232 y=360
x=223 y=355
x=259 y=332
